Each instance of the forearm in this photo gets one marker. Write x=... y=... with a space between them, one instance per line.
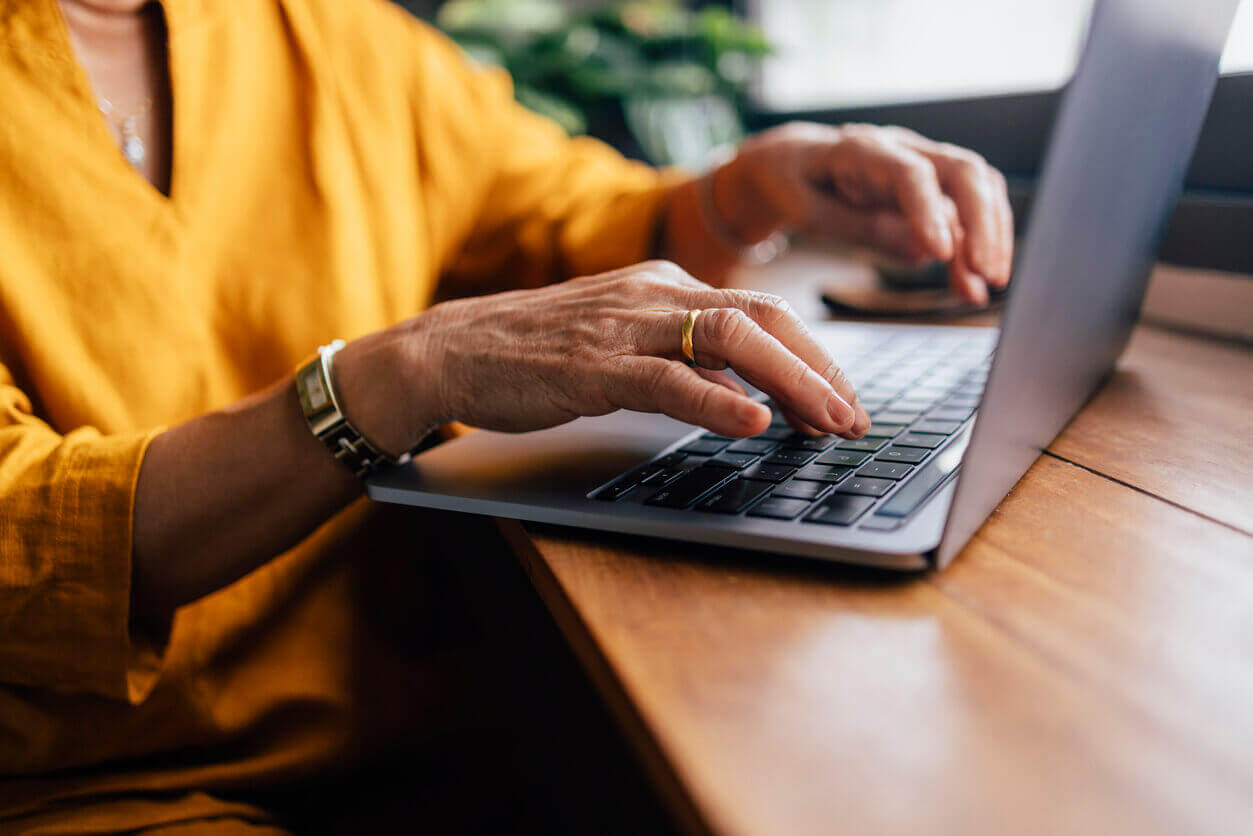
x=221 y=494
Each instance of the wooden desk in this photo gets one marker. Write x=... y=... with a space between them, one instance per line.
x=1086 y=665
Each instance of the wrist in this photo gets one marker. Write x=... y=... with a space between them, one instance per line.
x=386 y=390
x=743 y=207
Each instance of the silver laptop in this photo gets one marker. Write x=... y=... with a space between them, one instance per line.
x=959 y=413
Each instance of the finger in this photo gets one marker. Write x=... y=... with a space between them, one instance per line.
x=862 y=422
x=967 y=184
x=885 y=231
x=657 y=271
x=965 y=282
x=765 y=362
x=1004 y=228
x=644 y=285
x=814 y=388
x=722 y=380
x=776 y=316
x=908 y=176
x=652 y=384
x=981 y=198
x=668 y=272
x=799 y=425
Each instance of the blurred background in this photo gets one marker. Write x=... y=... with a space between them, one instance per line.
x=669 y=81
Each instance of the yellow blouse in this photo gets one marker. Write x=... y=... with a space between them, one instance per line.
x=331 y=161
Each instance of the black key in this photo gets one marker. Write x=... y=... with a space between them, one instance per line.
x=715 y=437
x=896 y=416
x=650 y=474
x=865 y=486
x=779 y=509
x=670 y=460
x=802 y=490
x=913 y=439
x=845 y=458
x=753 y=445
x=734 y=497
x=931 y=425
x=950 y=413
x=666 y=478
x=840 y=509
x=792 y=458
x=618 y=490
x=705 y=446
x=769 y=472
x=866 y=445
x=775 y=433
x=878 y=430
x=884 y=470
x=690 y=488
x=809 y=442
x=823 y=472
x=909 y=455
x=918 y=487
x=735 y=461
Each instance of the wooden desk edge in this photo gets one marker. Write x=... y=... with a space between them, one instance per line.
x=605 y=680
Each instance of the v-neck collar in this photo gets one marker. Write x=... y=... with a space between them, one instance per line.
x=39 y=26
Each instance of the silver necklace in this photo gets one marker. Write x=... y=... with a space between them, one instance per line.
x=133 y=147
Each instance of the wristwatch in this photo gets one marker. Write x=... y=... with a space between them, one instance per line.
x=325 y=417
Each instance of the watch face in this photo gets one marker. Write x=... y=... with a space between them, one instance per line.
x=318 y=398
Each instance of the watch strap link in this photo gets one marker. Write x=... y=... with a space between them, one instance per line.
x=326 y=419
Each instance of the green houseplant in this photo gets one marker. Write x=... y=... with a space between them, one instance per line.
x=659 y=81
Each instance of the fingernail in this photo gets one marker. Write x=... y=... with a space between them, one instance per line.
x=981 y=291
x=861 y=425
x=839 y=410
x=750 y=412
x=989 y=263
x=942 y=236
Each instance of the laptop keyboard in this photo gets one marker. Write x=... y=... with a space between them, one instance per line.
x=922 y=392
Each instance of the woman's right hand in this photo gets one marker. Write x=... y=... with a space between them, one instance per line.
x=531 y=359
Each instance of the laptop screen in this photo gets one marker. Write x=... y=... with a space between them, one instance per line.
x=872 y=52
x=1126 y=128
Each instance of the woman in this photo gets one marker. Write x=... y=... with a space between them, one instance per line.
x=194 y=195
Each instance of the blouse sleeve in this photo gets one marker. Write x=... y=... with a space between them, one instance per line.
x=509 y=200
x=542 y=206
x=66 y=505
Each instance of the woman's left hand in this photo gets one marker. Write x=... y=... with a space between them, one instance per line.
x=885 y=188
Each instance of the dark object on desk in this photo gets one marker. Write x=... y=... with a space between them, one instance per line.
x=912 y=292
x=933 y=276
x=926 y=302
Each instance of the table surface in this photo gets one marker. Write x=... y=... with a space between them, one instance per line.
x=1085 y=666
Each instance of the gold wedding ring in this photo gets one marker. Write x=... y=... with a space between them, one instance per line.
x=689 y=323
